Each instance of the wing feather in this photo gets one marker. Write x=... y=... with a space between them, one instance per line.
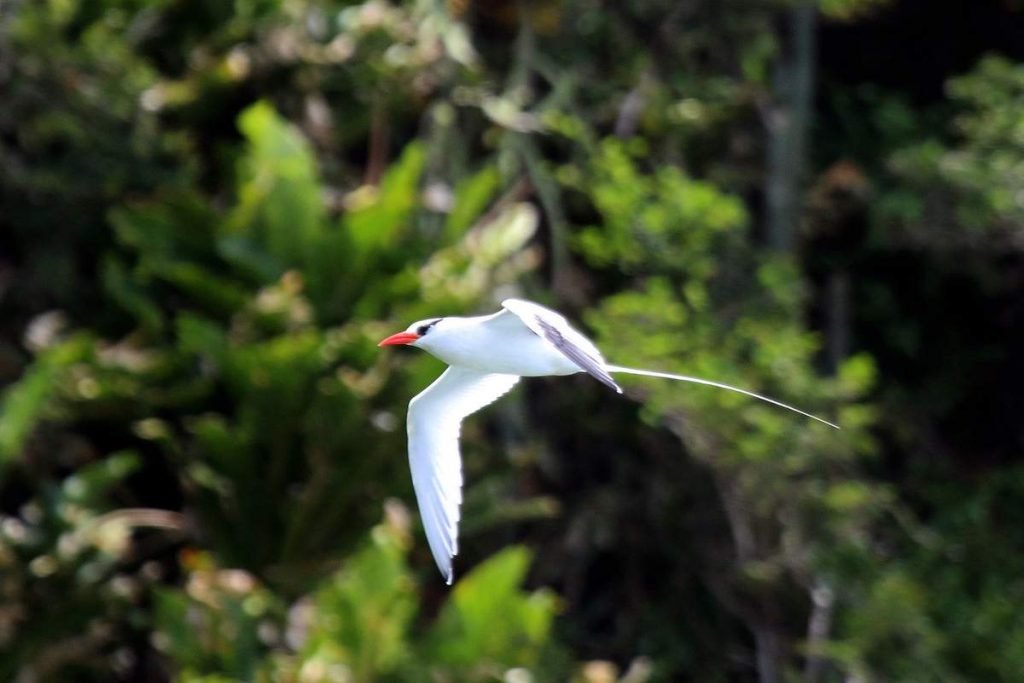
x=435 y=417
x=556 y=330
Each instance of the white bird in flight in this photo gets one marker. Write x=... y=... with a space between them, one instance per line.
x=486 y=356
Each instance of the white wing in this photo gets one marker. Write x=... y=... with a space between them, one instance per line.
x=435 y=416
x=556 y=330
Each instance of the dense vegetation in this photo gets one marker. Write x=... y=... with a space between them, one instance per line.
x=211 y=212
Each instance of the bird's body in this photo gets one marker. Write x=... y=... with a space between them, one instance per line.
x=486 y=356
x=498 y=343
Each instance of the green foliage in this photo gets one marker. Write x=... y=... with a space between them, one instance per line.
x=68 y=589
x=212 y=628
x=489 y=624
x=945 y=607
x=361 y=617
x=657 y=222
x=359 y=623
x=979 y=173
x=278 y=195
x=891 y=632
x=212 y=212
x=263 y=283
x=847 y=10
x=671 y=321
x=24 y=404
x=707 y=305
x=253 y=370
x=472 y=197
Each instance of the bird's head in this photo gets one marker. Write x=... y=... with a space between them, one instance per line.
x=417 y=334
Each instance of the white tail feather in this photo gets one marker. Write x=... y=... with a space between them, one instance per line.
x=697 y=380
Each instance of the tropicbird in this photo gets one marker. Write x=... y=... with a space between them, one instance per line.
x=486 y=356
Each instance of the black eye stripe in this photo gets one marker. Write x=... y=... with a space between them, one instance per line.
x=423 y=329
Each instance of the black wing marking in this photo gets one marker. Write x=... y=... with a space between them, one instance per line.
x=577 y=355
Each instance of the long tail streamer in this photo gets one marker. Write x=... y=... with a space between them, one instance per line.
x=697 y=380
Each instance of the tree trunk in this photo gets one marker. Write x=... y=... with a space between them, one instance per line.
x=838 y=312
x=818 y=628
x=788 y=123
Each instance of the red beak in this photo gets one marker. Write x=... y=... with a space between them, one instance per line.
x=400 y=338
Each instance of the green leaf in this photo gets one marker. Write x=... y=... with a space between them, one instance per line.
x=489 y=619
x=125 y=291
x=89 y=484
x=178 y=227
x=368 y=233
x=214 y=293
x=201 y=337
x=378 y=222
x=364 y=612
x=279 y=202
x=472 y=196
x=25 y=402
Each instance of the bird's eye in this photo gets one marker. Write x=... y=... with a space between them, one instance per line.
x=423 y=329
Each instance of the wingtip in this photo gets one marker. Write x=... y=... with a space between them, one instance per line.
x=610 y=383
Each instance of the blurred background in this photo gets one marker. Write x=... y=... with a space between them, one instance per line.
x=210 y=212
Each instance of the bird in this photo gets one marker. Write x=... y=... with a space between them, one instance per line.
x=486 y=356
